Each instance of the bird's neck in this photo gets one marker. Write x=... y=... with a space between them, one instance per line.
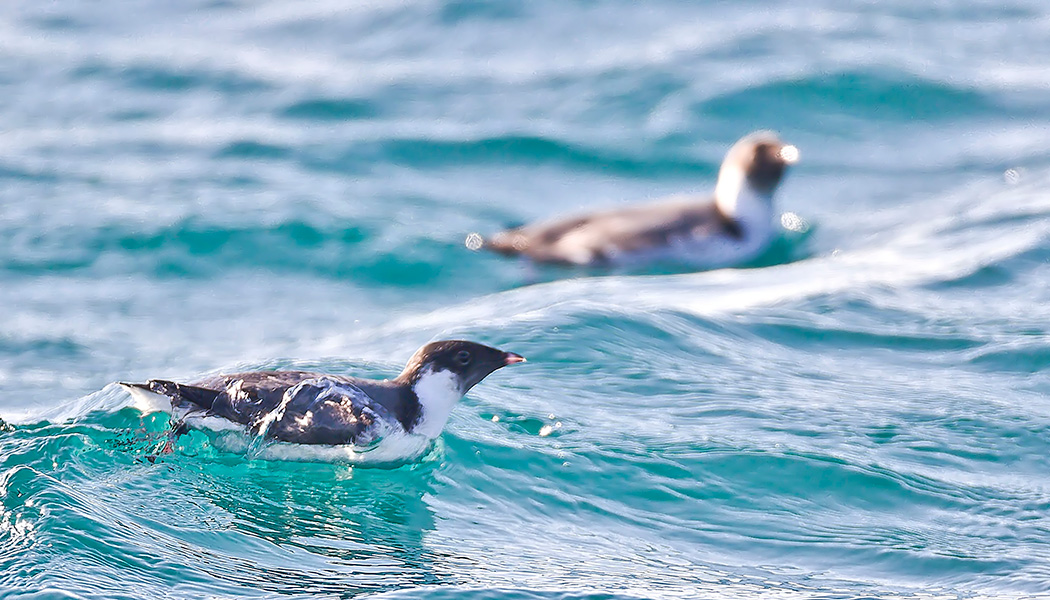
x=438 y=392
x=740 y=203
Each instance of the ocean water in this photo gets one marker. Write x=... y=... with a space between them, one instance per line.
x=211 y=185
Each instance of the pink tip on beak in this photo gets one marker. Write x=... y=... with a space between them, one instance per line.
x=509 y=358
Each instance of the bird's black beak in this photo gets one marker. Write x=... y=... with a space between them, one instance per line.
x=509 y=358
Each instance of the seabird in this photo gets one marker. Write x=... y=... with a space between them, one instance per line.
x=304 y=407
x=732 y=227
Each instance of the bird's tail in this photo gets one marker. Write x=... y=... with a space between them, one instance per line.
x=506 y=243
x=149 y=394
x=179 y=393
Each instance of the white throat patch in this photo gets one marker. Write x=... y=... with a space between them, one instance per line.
x=729 y=185
x=438 y=392
x=752 y=211
x=739 y=201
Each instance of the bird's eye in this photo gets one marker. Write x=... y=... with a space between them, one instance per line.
x=463 y=357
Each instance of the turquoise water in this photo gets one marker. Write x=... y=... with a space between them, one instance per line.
x=200 y=186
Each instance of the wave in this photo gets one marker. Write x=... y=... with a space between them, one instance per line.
x=863 y=96
x=533 y=150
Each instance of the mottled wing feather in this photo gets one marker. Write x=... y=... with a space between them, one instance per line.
x=327 y=411
x=247 y=397
x=320 y=409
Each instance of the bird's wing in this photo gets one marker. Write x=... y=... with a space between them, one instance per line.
x=291 y=406
x=326 y=410
x=593 y=238
x=246 y=398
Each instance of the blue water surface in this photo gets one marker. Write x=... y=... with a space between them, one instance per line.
x=198 y=186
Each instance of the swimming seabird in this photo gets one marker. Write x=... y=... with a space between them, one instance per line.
x=732 y=227
x=314 y=408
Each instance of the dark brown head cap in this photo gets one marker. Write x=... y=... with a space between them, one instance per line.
x=469 y=361
x=763 y=158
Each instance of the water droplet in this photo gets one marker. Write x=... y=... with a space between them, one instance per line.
x=793 y=222
x=789 y=154
x=474 y=241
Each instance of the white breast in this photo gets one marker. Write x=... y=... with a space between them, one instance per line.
x=438 y=392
